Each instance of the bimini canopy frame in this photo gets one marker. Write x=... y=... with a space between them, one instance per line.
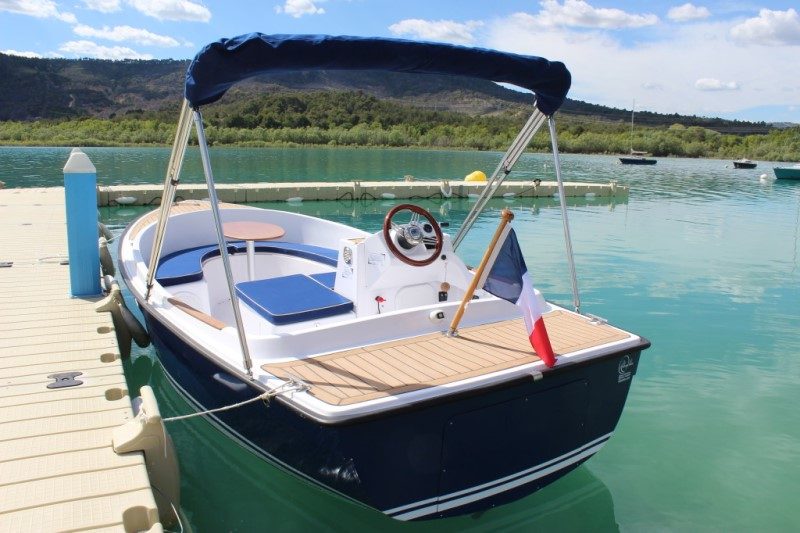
x=222 y=64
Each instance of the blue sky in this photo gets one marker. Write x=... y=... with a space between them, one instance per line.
x=733 y=58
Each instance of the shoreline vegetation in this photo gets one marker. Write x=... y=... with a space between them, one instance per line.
x=355 y=119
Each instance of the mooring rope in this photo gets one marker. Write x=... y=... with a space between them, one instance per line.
x=285 y=387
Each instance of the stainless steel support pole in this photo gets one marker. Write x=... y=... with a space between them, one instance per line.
x=168 y=194
x=562 y=197
x=223 y=248
x=511 y=156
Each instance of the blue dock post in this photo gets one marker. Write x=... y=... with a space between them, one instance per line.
x=80 y=189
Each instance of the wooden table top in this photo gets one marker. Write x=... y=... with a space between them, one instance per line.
x=252 y=231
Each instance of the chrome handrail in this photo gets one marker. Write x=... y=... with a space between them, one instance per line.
x=562 y=198
x=503 y=169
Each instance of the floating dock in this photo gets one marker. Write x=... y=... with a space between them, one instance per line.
x=58 y=468
x=240 y=193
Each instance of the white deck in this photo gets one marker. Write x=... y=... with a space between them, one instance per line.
x=58 y=470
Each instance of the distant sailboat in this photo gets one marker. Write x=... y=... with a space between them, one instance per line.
x=636 y=157
x=744 y=163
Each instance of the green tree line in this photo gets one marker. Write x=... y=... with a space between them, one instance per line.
x=357 y=119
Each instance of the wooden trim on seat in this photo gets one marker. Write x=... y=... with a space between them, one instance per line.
x=198 y=314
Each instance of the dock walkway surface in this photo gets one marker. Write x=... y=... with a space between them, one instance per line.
x=58 y=470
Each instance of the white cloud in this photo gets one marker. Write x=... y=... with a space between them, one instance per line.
x=771 y=28
x=103 y=6
x=577 y=13
x=437 y=30
x=607 y=71
x=172 y=10
x=91 y=49
x=688 y=12
x=125 y=33
x=298 y=8
x=713 y=84
x=21 y=54
x=37 y=8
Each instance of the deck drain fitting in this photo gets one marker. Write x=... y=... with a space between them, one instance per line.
x=64 y=379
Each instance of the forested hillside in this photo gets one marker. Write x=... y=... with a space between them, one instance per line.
x=33 y=89
x=101 y=103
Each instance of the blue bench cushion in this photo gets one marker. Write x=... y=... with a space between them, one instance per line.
x=185 y=266
x=290 y=299
x=327 y=256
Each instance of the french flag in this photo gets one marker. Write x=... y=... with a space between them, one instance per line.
x=508 y=279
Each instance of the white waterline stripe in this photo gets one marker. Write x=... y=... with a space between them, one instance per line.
x=498 y=489
x=521 y=481
x=535 y=468
x=500 y=485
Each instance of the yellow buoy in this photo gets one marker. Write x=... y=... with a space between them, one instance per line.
x=476 y=175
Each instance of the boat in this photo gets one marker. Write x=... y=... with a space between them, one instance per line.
x=787 y=173
x=744 y=163
x=351 y=358
x=636 y=157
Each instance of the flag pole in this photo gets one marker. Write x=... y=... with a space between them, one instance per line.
x=506 y=217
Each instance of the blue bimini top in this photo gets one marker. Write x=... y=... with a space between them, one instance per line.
x=221 y=64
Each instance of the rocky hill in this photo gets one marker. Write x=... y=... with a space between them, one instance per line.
x=34 y=89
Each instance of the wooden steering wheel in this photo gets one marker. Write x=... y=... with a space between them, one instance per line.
x=411 y=234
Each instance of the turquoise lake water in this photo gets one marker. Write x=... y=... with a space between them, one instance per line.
x=701 y=259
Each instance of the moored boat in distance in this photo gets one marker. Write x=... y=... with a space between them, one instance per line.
x=744 y=163
x=787 y=173
x=637 y=158
x=351 y=358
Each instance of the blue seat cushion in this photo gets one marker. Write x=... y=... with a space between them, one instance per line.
x=291 y=299
x=326 y=278
x=185 y=266
x=327 y=256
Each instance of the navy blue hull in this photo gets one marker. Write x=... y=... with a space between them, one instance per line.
x=451 y=456
x=637 y=161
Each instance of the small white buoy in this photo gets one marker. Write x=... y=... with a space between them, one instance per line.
x=295 y=199
x=509 y=194
x=590 y=195
x=126 y=200
x=446 y=189
x=473 y=196
x=387 y=196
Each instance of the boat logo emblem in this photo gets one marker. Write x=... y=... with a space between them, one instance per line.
x=625 y=369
